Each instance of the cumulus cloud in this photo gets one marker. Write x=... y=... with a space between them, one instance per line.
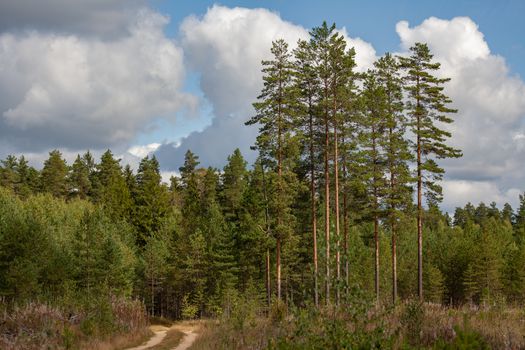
x=142 y=151
x=102 y=18
x=460 y=191
x=491 y=104
x=226 y=47
x=75 y=92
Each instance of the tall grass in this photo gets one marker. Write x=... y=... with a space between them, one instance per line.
x=361 y=325
x=37 y=325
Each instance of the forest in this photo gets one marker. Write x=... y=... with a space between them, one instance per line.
x=332 y=238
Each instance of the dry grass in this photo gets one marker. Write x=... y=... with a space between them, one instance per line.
x=43 y=326
x=119 y=342
x=500 y=328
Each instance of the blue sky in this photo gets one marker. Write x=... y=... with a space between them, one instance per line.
x=501 y=21
x=160 y=77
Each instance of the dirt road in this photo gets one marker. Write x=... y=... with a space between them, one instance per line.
x=160 y=333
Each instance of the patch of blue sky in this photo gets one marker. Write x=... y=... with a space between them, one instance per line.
x=374 y=21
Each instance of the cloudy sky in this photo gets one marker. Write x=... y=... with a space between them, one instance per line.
x=158 y=77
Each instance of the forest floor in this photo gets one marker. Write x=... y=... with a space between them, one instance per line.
x=179 y=336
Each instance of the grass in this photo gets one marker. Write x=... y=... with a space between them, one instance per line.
x=170 y=341
x=120 y=341
x=408 y=326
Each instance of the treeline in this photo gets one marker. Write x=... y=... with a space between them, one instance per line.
x=328 y=206
x=189 y=248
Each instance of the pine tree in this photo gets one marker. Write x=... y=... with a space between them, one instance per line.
x=307 y=86
x=397 y=151
x=341 y=64
x=320 y=42
x=275 y=112
x=426 y=106
x=372 y=134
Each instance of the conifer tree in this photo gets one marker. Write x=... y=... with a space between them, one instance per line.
x=307 y=86
x=79 y=182
x=8 y=175
x=397 y=153
x=53 y=177
x=427 y=105
x=320 y=42
x=341 y=62
x=372 y=135
x=275 y=112
x=27 y=178
x=151 y=198
x=109 y=186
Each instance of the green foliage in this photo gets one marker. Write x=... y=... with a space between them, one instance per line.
x=464 y=340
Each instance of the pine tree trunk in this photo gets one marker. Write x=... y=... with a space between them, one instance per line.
x=376 y=240
x=394 y=264
x=392 y=215
x=279 y=175
x=419 y=216
x=268 y=278
x=336 y=185
x=376 y=209
x=345 y=222
x=267 y=219
x=327 y=203
x=314 y=215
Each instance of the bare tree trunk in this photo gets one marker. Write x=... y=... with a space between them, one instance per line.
x=267 y=219
x=336 y=184
x=279 y=174
x=376 y=240
x=419 y=211
x=394 y=264
x=345 y=221
x=314 y=214
x=327 y=204
x=419 y=224
x=376 y=217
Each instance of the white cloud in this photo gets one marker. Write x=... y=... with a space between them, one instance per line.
x=226 y=47
x=365 y=54
x=458 y=192
x=491 y=104
x=76 y=92
x=142 y=151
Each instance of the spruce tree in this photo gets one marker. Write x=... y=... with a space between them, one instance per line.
x=79 y=182
x=427 y=105
x=53 y=177
x=151 y=199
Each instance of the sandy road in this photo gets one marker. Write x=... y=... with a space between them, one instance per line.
x=160 y=333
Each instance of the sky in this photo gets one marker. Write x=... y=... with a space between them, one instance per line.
x=145 y=77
